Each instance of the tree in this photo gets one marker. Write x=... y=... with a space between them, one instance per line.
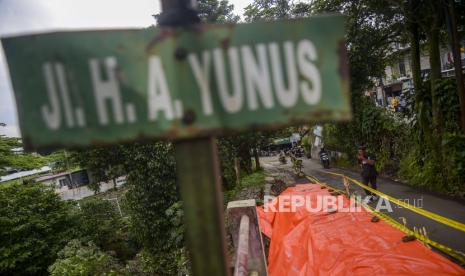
x=152 y=191
x=102 y=224
x=17 y=161
x=78 y=258
x=372 y=28
x=267 y=10
x=424 y=144
x=104 y=164
x=34 y=226
x=216 y=11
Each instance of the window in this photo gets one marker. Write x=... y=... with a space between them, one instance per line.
x=402 y=68
x=63 y=182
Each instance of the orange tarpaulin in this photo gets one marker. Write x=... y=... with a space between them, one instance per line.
x=307 y=242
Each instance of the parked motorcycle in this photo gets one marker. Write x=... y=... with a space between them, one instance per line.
x=324 y=158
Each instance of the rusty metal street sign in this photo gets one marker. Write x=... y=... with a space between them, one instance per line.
x=97 y=87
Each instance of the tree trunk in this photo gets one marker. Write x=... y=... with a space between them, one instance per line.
x=414 y=37
x=257 y=159
x=415 y=57
x=455 y=46
x=435 y=77
x=237 y=169
x=245 y=159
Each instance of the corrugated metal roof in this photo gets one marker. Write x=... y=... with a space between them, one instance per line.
x=53 y=176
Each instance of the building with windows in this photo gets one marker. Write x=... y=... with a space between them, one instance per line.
x=398 y=82
x=65 y=180
x=74 y=185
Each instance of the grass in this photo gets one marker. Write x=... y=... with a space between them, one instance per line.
x=255 y=179
x=342 y=163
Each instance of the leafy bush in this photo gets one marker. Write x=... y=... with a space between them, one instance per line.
x=152 y=191
x=252 y=180
x=382 y=132
x=420 y=168
x=101 y=223
x=34 y=226
x=77 y=259
x=17 y=161
x=438 y=166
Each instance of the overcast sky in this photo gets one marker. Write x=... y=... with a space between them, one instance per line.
x=28 y=16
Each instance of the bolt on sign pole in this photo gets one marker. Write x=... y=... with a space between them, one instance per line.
x=198 y=175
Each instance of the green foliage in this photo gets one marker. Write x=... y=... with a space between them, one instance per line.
x=400 y=146
x=382 y=132
x=17 y=181
x=241 y=146
x=101 y=223
x=152 y=191
x=23 y=161
x=77 y=259
x=104 y=164
x=342 y=162
x=17 y=161
x=420 y=167
x=34 y=225
x=256 y=179
x=454 y=155
x=267 y=10
x=449 y=103
x=306 y=144
x=152 y=200
x=216 y=11
x=7 y=144
x=302 y=9
x=62 y=160
x=372 y=26
x=423 y=147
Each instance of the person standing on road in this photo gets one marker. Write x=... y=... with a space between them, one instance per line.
x=369 y=173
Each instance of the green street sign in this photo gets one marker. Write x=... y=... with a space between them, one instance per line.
x=97 y=87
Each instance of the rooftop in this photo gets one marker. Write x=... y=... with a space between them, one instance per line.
x=53 y=176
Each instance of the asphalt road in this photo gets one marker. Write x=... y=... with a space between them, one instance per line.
x=442 y=205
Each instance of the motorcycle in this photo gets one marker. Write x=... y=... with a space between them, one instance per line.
x=324 y=158
x=282 y=158
x=299 y=152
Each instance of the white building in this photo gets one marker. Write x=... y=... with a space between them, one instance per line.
x=74 y=185
x=398 y=75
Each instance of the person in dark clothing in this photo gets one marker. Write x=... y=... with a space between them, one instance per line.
x=369 y=173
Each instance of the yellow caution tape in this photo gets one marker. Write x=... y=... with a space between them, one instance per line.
x=447 y=250
x=450 y=222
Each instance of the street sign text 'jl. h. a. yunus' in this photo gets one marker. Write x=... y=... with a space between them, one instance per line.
x=96 y=87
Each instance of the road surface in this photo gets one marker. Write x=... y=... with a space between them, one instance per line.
x=438 y=204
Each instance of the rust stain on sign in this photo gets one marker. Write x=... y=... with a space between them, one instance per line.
x=178 y=83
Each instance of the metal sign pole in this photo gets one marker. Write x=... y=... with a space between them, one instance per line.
x=199 y=181
x=198 y=176
x=183 y=81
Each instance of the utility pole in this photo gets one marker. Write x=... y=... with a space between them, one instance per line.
x=455 y=45
x=198 y=173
